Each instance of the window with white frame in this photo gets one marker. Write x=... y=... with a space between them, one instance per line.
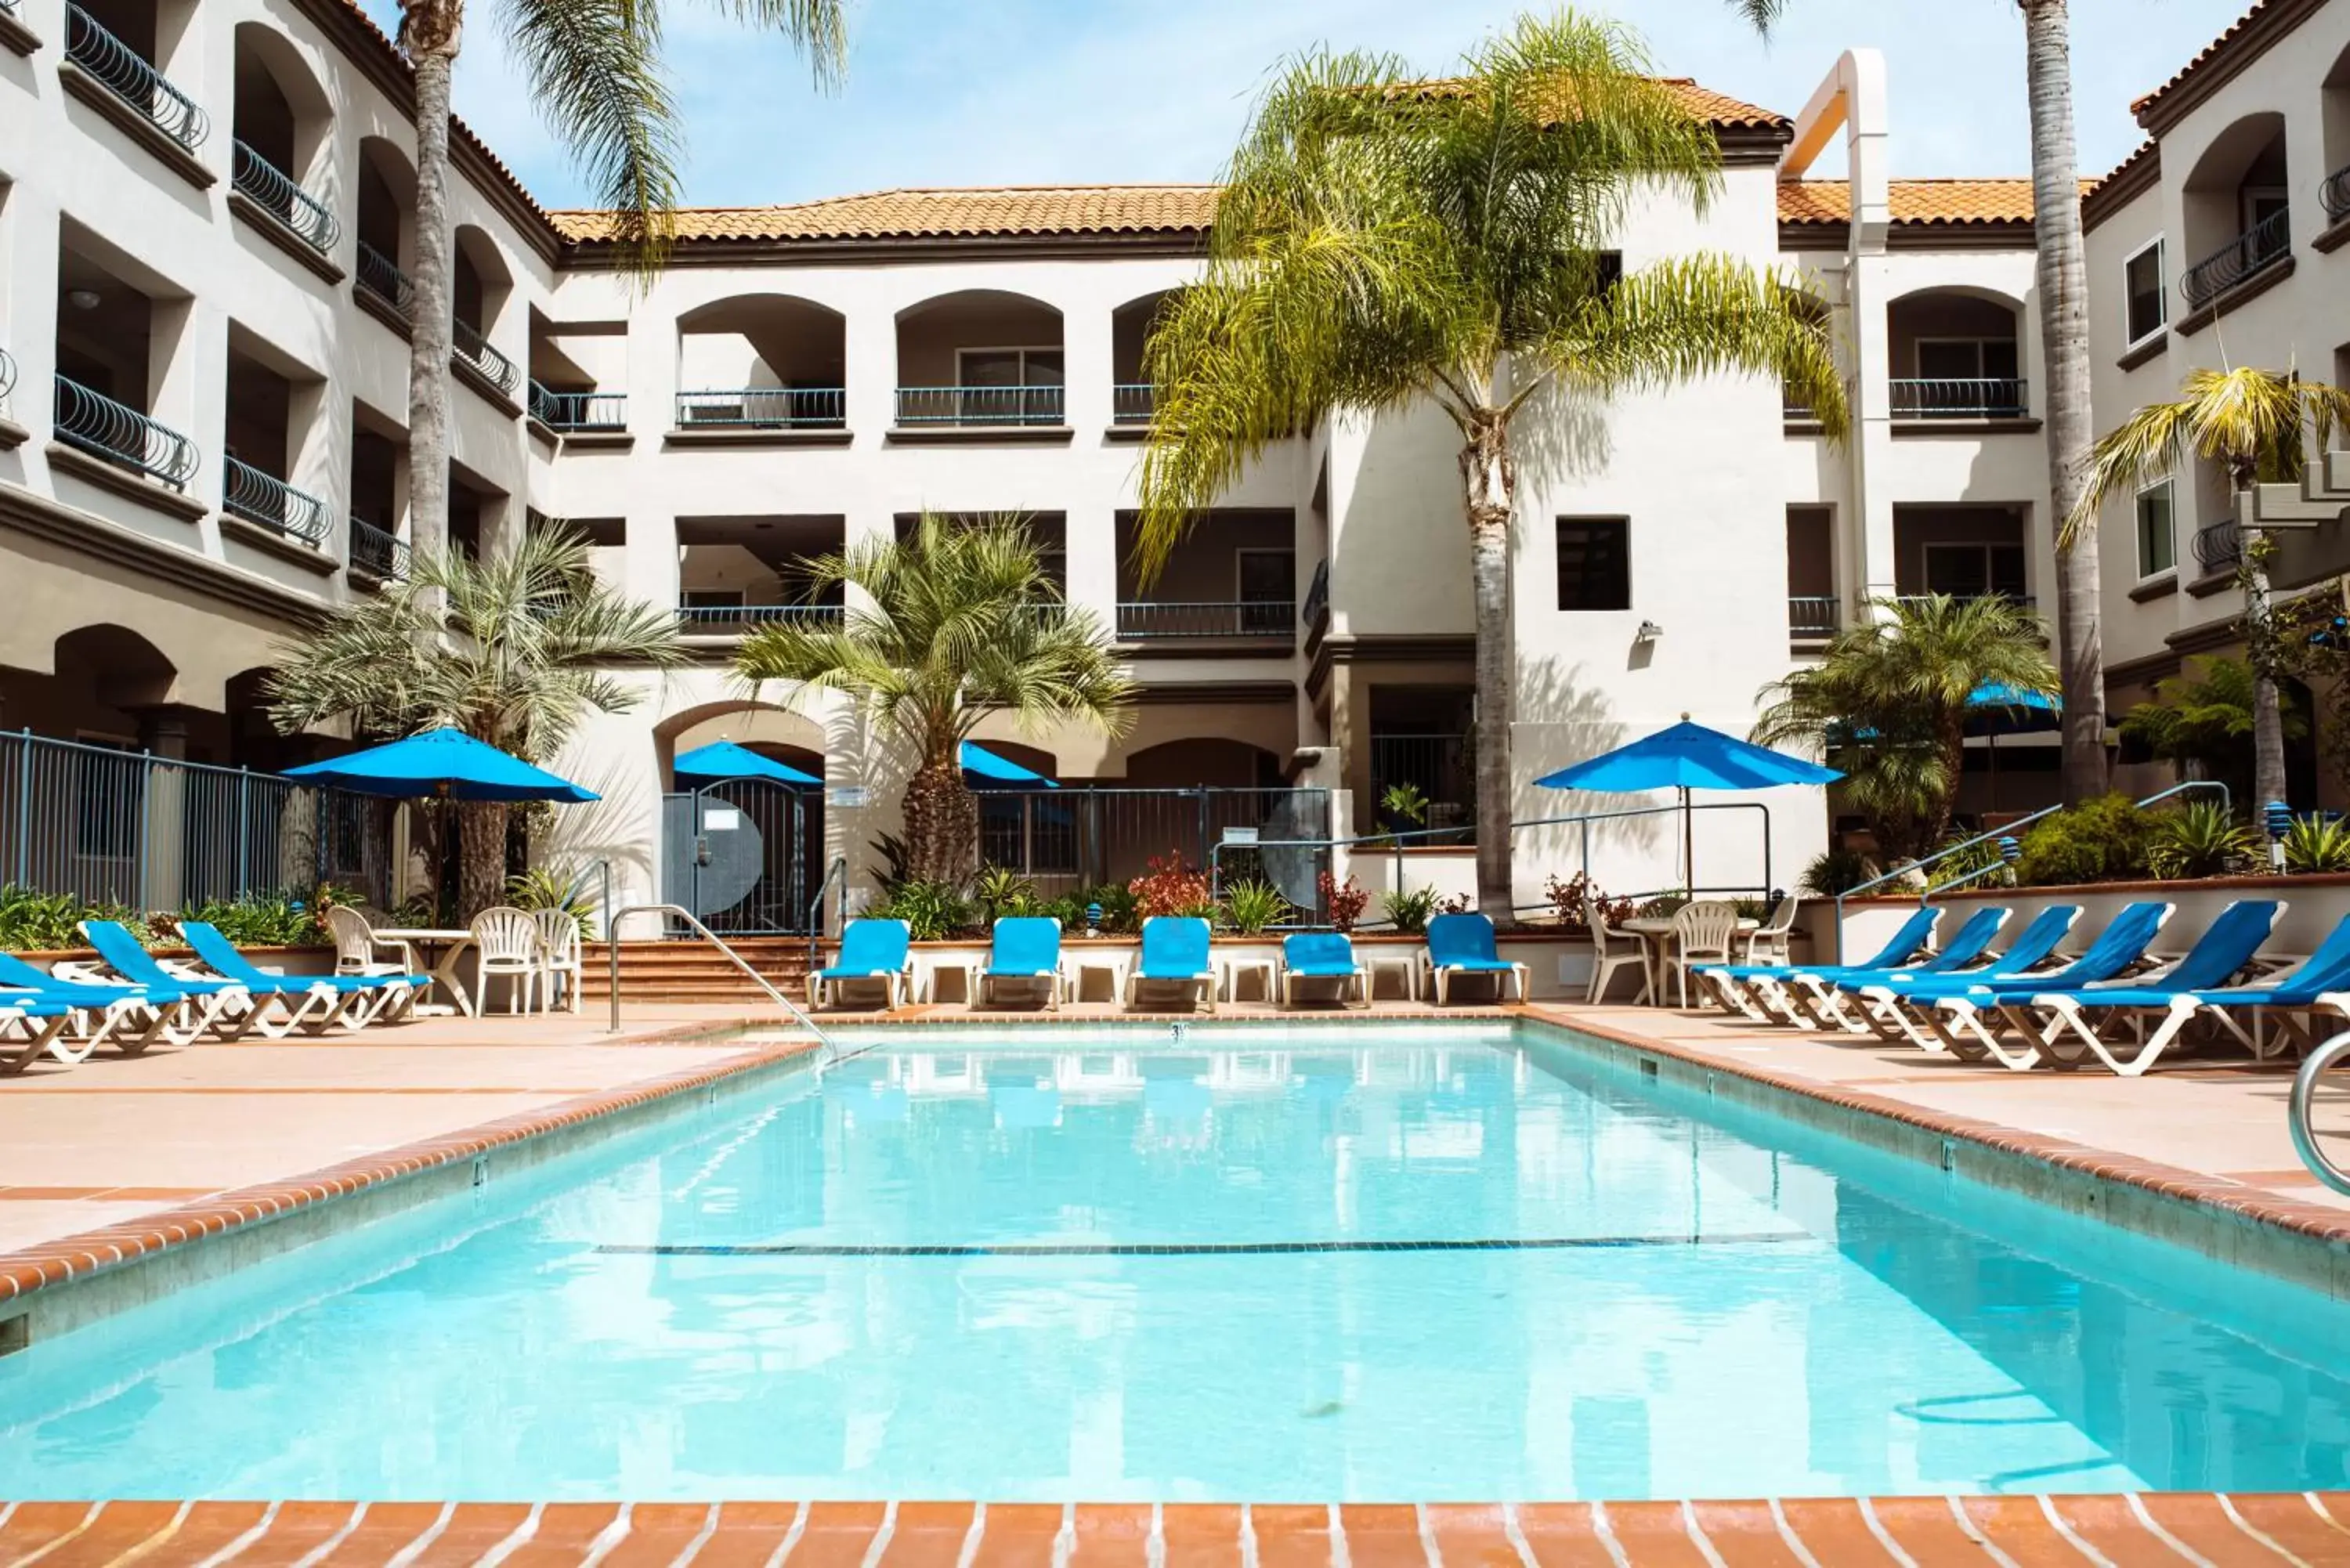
x=1009 y=386
x=2142 y=286
x=2158 y=548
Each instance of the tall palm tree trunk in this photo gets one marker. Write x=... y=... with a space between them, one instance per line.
x=481 y=855
x=429 y=35
x=2268 y=722
x=1489 y=478
x=942 y=821
x=2064 y=338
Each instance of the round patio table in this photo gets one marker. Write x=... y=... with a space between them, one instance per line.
x=1656 y=934
x=450 y=944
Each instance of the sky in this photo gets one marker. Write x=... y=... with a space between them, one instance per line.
x=1034 y=92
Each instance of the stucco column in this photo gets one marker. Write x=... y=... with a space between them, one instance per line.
x=163 y=735
x=1089 y=535
x=1865 y=567
x=28 y=305
x=871 y=355
x=1087 y=361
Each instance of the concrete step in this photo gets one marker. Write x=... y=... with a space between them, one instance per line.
x=695 y=971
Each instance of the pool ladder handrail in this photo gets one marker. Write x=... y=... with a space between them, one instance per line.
x=831 y=1047
x=2333 y=1052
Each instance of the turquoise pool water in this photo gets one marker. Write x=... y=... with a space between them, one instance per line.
x=1352 y=1263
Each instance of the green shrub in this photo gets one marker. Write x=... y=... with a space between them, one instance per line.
x=2100 y=840
x=1977 y=866
x=2199 y=839
x=932 y=909
x=2315 y=844
x=1250 y=905
x=258 y=920
x=1837 y=871
x=1408 y=909
x=541 y=887
x=1001 y=891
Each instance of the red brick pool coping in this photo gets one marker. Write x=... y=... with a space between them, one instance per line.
x=2125 y=1529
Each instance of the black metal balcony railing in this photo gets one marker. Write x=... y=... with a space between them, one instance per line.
x=271 y=189
x=132 y=79
x=466 y=343
x=1814 y=614
x=377 y=551
x=380 y=276
x=1317 y=594
x=736 y=618
x=2021 y=601
x=1131 y=402
x=2219 y=546
x=2335 y=193
x=262 y=498
x=979 y=406
x=1971 y=397
x=2253 y=252
x=96 y=424
x=765 y=407
x=1142 y=621
x=1792 y=407
x=578 y=410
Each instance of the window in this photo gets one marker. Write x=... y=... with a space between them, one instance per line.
x=1966 y=359
x=1594 y=564
x=1975 y=571
x=1268 y=581
x=2156 y=548
x=710 y=598
x=1009 y=386
x=2142 y=282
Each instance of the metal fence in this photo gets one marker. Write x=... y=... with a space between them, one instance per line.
x=578 y=410
x=381 y=277
x=113 y=825
x=467 y=344
x=118 y=433
x=1145 y=620
x=265 y=499
x=1960 y=398
x=272 y=189
x=1441 y=769
x=765 y=407
x=1814 y=614
x=1065 y=840
x=2256 y=250
x=1031 y=405
x=133 y=78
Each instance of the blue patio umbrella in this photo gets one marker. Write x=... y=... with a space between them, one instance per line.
x=446 y=763
x=1685 y=757
x=982 y=766
x=722 y=760
x=1996 y=709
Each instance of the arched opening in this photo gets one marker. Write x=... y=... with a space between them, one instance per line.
x=1956 y=354
x=479 y=284
x=134 y=48
x=117 y=667
x=1203 y=762
x=1131 y=326
x=2238 y=219
x=745 y=853
x=978 y=358
x=282 y=125
x=2334 y=111
x=387 y=196
x=762 y=361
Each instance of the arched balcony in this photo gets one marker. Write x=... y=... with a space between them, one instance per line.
x=1132 y=398
x=762 y=362
x=282 y=130
x=980 y=358
x=2238 y=224
x=480 y=282
x=386 y=199
x=2334 y=106
x=117 y=53
x=1956 y=354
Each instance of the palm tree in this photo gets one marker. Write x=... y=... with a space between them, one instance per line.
x=957 y=621
x=2063 y=287
x=1384 y=240
x=1892 y=696
x=534 y=635
x=595 y=73
x=2201 y=720
x=2252 y=424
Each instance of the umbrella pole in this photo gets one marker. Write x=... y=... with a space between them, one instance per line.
x=1688 y=847
x=1991 y=785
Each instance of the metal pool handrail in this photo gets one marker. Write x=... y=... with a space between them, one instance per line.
x=612 y=953
x=2331 y=1055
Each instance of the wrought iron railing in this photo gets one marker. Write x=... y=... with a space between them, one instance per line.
x=1969 y=397
x=765 y=407
x=381 y=277
x=132 y=79
x=377 y=551
x=2255 y=250
x=2335 y=193
x=979 y=406
x=1792 y=407
x=1814 y=614
x=2219 y=546
x=467 y=344
x=741 y=617
x=1147 y=620
x=1317 y=594
x=271 y=189
x=578 y=410
x=2021 y=601
x=1131 y=402
x=262 y=498
x=96 y=424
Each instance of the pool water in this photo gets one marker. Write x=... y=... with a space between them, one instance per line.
x=1364 y=1263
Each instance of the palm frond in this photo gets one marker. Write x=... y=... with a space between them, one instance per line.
x=820 y=28
x=2254 y=423
x=1761 y=14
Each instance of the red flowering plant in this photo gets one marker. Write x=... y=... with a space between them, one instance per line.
x=1170 y=887
x=1345 y=901
x=1568 y=899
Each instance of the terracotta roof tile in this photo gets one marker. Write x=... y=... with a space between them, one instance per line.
x=1012 y=209
x=1951 y=202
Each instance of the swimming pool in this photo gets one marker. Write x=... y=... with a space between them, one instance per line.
x=1348 y=1262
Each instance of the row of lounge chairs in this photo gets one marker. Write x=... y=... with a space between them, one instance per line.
x=2024 y=1005
x=129 y=1000
x=1025 y=961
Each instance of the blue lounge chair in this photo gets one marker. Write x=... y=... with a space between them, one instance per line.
x=1463 y=944
x=78 y=1016
x=1319 y=956
x=2227 y=946
x=222 y=1007
x=1175 y=953
x=1974 y=1007
x=2035 y=946
x=2319 y=983
x=311 y=1001
x=872 y=952
x=1730 y=981
x=1809 y=996
x=1026 y=954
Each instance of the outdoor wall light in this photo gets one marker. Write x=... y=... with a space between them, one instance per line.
x=1650 y=631
x=82 y=298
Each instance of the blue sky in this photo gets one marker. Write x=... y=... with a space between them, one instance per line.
x=1009 y=92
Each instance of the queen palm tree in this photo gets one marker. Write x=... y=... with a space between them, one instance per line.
x=2253 y=424
x=2063 y=287
x=534 y=635
x=595 y=73
x=1893 y=695
x=956 y=621
x=1385 y=241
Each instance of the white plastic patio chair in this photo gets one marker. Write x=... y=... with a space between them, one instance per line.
x=1703 y=932
x=1768 y=944
x=560 y=957
x=357 y=945
x=505 y=942
x=1612 y=951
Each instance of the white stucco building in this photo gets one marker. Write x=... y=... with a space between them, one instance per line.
x=203 y=228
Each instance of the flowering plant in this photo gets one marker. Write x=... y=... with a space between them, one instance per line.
x=1345 y=901
x=1170 y=887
